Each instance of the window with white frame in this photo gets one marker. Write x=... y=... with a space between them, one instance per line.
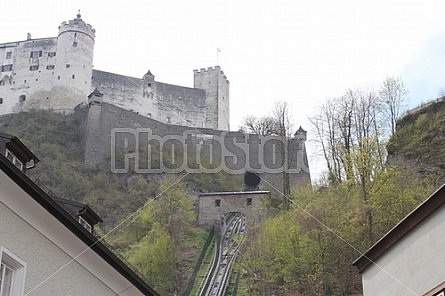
x=12 y=158
x=8 y=54
x=12 y=274
x=84 y=223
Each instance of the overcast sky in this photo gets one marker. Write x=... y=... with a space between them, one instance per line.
x=292 y=50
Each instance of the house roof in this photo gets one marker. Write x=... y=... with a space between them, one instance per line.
x=95 y=93
x=80 y=208
x=407 y=224
x=20 y=149
x=54 y=209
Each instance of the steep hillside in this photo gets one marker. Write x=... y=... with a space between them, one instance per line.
x=420 y=139
x=56 y=140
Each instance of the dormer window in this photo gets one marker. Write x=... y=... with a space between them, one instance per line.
x=17 y=153
x=85 y=224
x=12 y=158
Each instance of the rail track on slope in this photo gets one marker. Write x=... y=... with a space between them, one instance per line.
x=217 y=279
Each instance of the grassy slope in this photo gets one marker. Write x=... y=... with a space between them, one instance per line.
x=420 y=139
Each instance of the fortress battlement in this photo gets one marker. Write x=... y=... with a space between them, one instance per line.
x=57 y=74
x=77 y=25
x=214 y=69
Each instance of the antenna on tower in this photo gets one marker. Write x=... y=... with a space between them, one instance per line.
x=217 y=55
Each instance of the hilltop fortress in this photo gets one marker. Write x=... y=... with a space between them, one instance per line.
x=57 y=74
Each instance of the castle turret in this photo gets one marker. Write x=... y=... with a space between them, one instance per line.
x=300 y=134
x=74 y=64
x=149 y=84
x=216 y=85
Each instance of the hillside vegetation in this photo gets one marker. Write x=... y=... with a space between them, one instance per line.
x=420 y=139
x=157 y=239
x=305 y=250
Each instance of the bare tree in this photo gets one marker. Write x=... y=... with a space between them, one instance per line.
x=281 y=115
x=278 y=124
x=393 y=95
x=264 y=126
x=325 y=123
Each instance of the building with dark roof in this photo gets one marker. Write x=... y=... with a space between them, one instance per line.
x=44 y=250
x=409 y=259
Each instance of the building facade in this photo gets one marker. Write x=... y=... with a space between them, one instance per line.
x=57 y=73
x=211 y=206
x=44 y=249
x=408 y=259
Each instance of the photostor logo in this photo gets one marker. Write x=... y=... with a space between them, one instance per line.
x=141 y=151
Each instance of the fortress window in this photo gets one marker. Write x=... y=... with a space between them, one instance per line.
x=51 y=54
x=75 y=44
x=34 y=67
x=36 y=54
x=1 y=100
x=73 y=76
x=50 y=67
x=249 y=201
x=149 y=115
x=168 y=119
x=217 y=203
x=58 y=77
x=7 y=68
x=67 y=65
x=149 y=84
x=22 y=99
x=9 y=55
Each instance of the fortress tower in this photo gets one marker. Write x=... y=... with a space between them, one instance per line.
x=216 y=85
x=74 y=64
x=56 y=73
x=47 y=73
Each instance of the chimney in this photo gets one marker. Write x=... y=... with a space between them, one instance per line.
x=28 y=36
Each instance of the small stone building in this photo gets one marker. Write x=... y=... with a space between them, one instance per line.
x=211 y=206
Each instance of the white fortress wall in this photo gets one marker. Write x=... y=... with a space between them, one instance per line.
x=57 y=73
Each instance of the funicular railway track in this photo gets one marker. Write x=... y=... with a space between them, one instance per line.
x=216 y=282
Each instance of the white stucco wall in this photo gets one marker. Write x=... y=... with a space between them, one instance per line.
x=58 y=262
x=414 y=265
x=44 y=259
x=21 y=81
